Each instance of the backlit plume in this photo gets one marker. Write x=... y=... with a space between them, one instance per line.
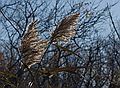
x=32 y=47
x=66 y=28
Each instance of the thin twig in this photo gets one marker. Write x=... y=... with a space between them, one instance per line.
x=113 y=23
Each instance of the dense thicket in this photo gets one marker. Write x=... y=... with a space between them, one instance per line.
x=58 y=44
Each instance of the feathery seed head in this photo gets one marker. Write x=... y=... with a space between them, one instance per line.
x=66 y=28
x=32 y=47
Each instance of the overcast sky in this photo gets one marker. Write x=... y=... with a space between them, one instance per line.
x=116 y=9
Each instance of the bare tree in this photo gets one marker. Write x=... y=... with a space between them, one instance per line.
x=57 y=44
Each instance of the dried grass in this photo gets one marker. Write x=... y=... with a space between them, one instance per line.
x=32 y=47
x=66 y=28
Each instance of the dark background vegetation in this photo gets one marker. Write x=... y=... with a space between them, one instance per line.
x=91 y=59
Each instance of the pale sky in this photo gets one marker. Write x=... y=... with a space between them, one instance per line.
x=116 y=9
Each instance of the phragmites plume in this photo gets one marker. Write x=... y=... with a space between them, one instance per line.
x=66 y=28
x=32 y=47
